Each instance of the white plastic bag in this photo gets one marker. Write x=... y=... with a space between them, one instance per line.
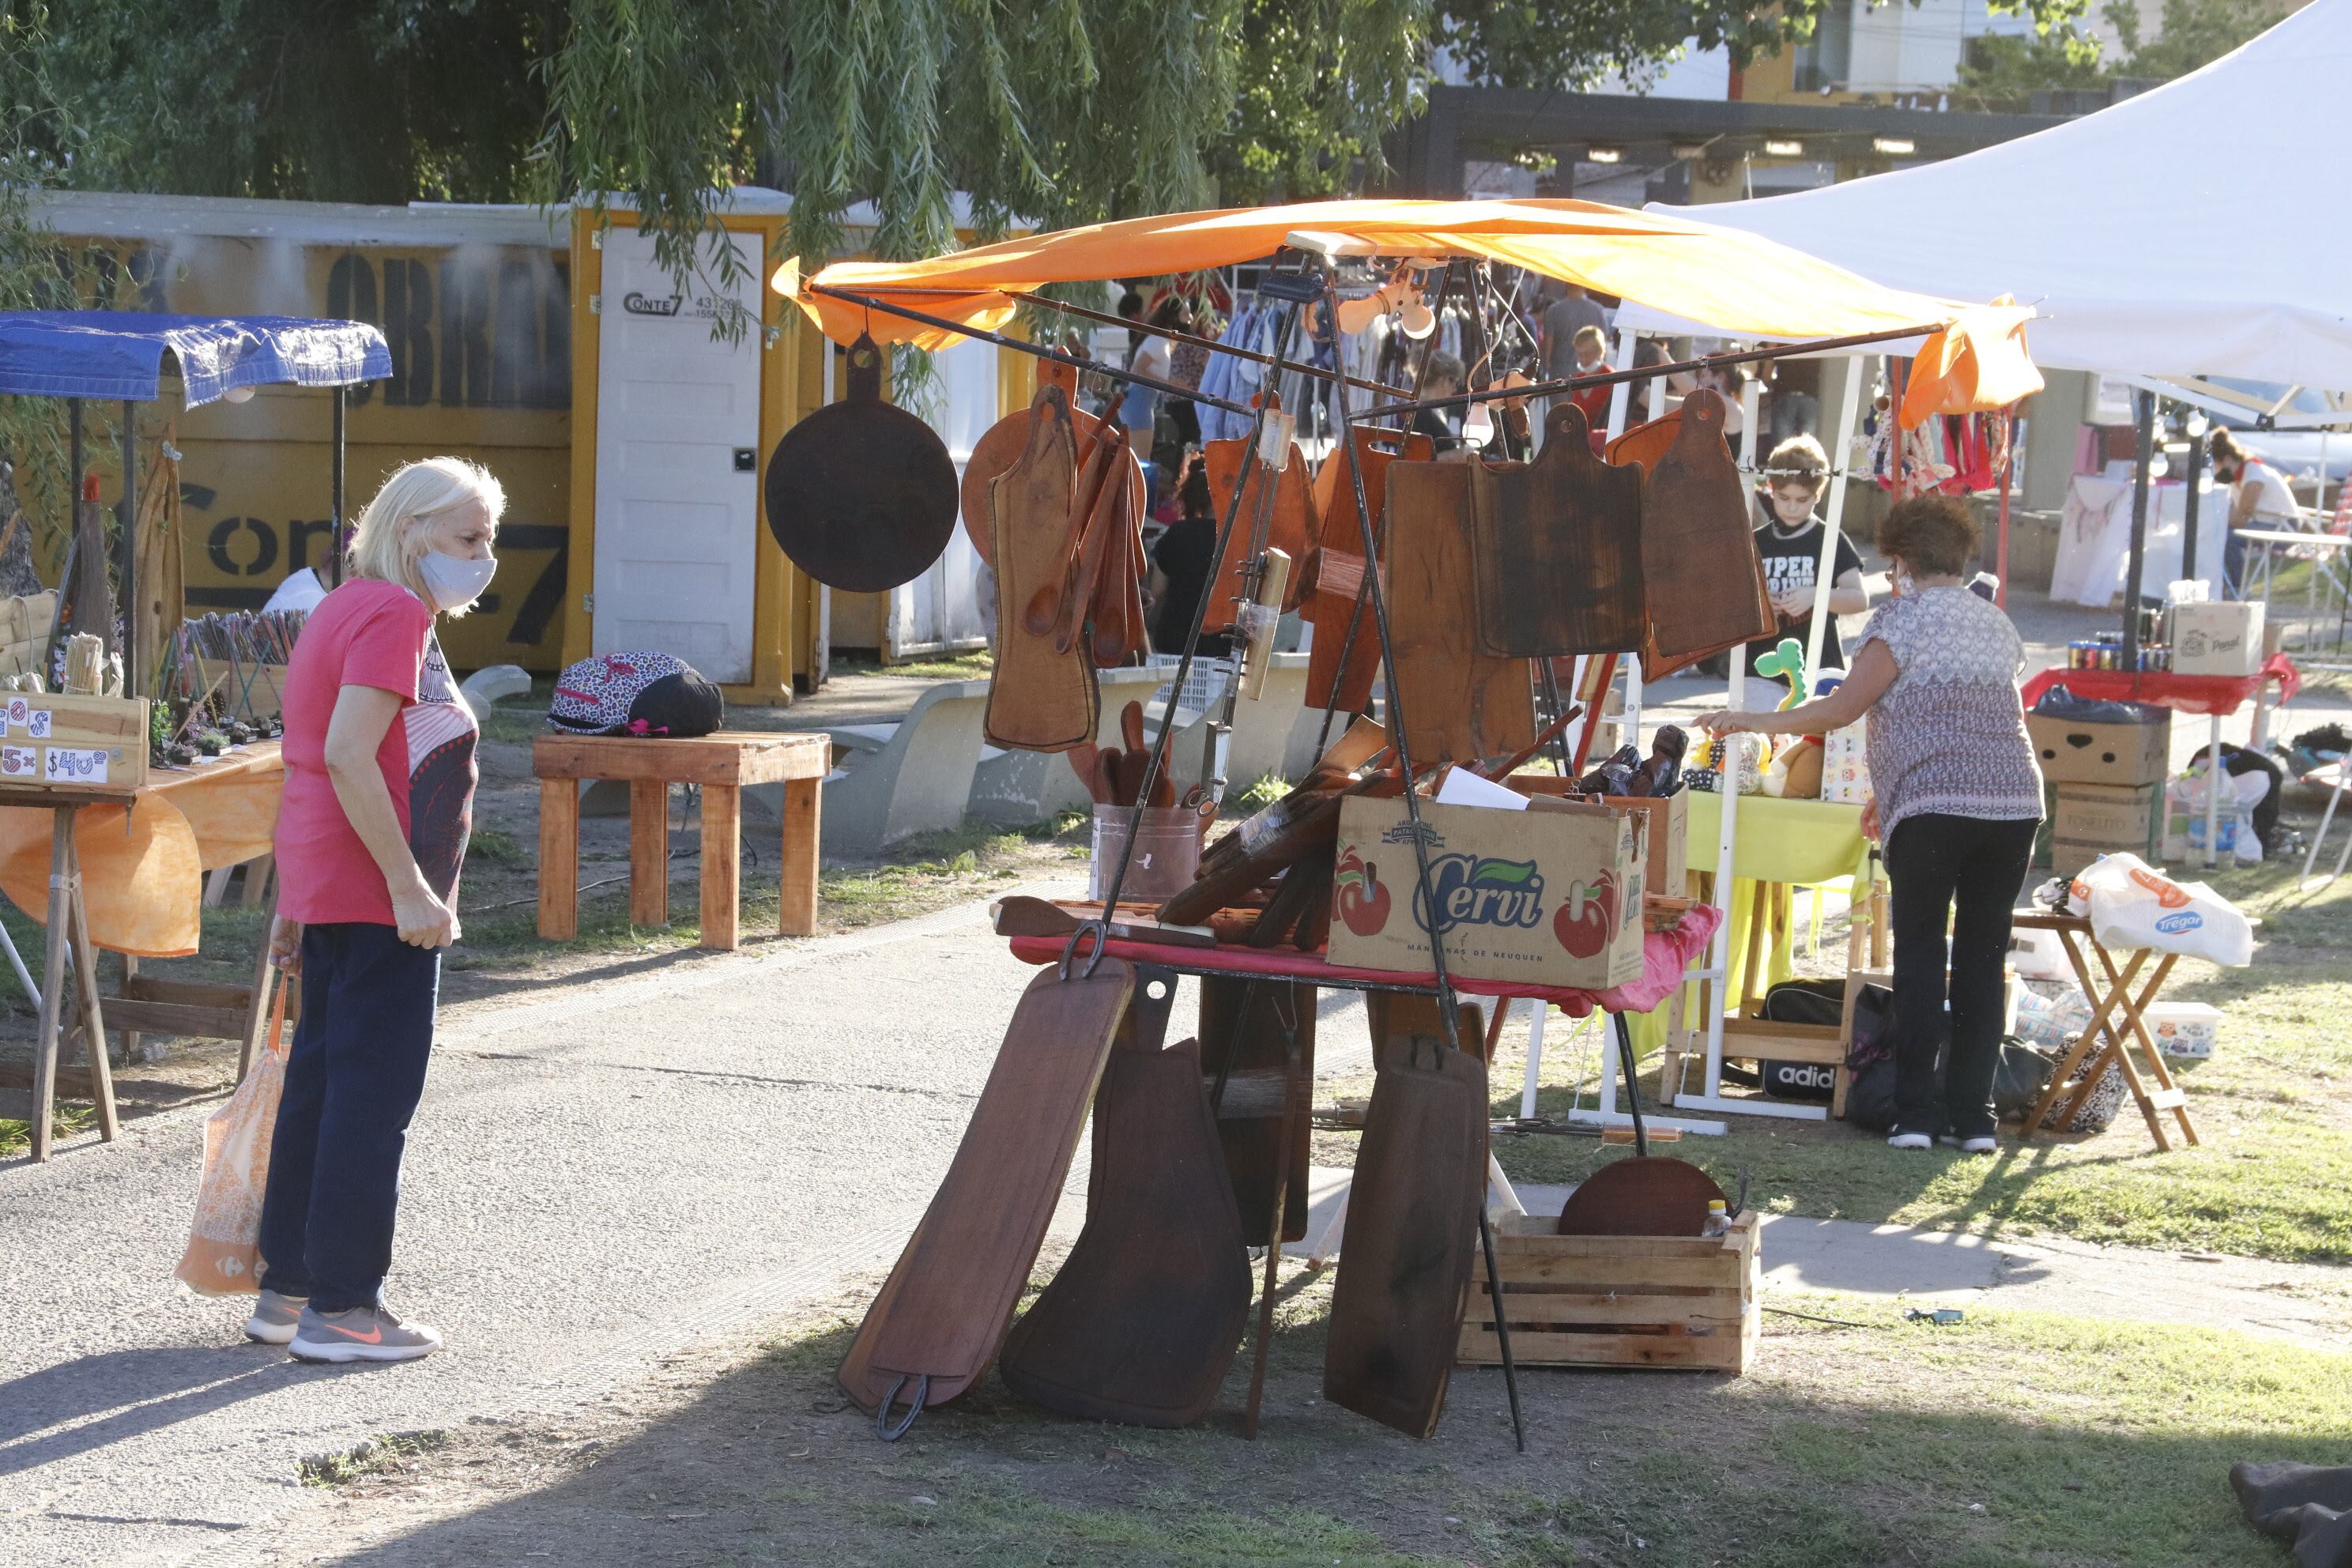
x=223 y=1244
x=2132 y=905
x=2184 y=815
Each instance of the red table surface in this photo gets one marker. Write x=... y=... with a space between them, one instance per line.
x=1664 y=955
x=2219 y=695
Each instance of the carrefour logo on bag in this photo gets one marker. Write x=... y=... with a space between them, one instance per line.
x=1471 y=889
x=2173 y=926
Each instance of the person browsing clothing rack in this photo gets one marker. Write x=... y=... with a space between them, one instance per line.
x=378 y=805
x=1957 y=798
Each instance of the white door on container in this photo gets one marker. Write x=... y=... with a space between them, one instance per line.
x=678 y=470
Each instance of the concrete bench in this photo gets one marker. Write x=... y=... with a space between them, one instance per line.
x=1014 y=789
x=899 y=779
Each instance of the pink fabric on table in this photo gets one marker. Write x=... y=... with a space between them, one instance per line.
x=1664 y=955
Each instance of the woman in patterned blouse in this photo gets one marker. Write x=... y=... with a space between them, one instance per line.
x=1958 y=797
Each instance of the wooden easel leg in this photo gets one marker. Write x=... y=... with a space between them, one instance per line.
x=1274 y=1237
x=53 y=983
x=803 y=800
x=93 y=1020
x=2168 y=1094
x=559 y=859
x=648 y=852
x=129 y=979
x=257 y=1004
x=722 y=851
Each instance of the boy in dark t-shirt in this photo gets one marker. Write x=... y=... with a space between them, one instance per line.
x=1789 y=545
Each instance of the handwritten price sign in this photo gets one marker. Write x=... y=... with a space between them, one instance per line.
x=72 y=764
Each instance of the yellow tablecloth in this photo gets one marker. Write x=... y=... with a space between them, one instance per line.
x=1781 y=842
x=143 y=866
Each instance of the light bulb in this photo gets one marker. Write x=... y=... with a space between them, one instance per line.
x=1477 y=425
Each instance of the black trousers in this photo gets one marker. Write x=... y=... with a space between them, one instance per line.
x=1967 y=870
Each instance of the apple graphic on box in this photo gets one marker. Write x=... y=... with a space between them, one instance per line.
x=1362 y=900
x=1587 y=916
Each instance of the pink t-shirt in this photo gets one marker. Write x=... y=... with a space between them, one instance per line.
x=367 y=633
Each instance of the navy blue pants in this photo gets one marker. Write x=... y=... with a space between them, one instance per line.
x=1966 y=871
x=353 y=1076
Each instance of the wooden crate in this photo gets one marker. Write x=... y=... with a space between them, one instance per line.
x=1681 y=1303
x=52 y=741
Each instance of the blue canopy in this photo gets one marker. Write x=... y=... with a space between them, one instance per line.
x=115 y=355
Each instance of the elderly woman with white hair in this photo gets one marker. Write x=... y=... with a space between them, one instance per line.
x=379 y=796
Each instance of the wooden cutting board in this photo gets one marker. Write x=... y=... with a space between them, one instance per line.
x=1335 y=575
x=944 y=1309
x=1641 y=1194
x=1459 y=704
x=1706 y=582
x=1038 y=700
x=1001 y=446
x=1142 y=1320
x=1558 y=548
x=1243 y=1045
x=1412 y=1218
x=1291 y=526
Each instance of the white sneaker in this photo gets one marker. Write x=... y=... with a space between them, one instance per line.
x=362 y=1333
x=1974 y=1145
x=1910 y=1141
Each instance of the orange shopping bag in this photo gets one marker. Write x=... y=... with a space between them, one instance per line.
x=224 y=1246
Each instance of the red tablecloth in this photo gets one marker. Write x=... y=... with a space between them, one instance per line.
x=1664 y=955
x=2213 y=694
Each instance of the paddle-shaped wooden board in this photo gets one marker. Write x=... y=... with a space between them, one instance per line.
x=1290 y=522
x=1142 y=1321
x=1336 y=572
x=1641 y=1194
x=1459 y=704
x=1039 y=700
x=943 y=1311
x=1557 y=544
x=1242 y=1059
x=1412 y=1218
x=1706 y=582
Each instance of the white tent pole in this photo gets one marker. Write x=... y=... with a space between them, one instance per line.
x=1751 y=404
x=1656 y=386
x=1731 y=750
x=1535 y=1054
x=1620 y=397
x=1841 y=458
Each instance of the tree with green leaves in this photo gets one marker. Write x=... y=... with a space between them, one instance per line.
x=2059 y=54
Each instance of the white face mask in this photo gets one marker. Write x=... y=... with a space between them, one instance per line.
x=1905 y=584
x=452 y=584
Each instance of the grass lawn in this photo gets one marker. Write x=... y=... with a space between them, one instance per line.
x=2013 y=1438
x=2272 y=1178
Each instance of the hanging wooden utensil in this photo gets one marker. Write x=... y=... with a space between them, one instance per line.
x=1039 y=700
x=1001 y=444
x=1331 y=593
x=1043 y=615
x=1641 y=1194
x=1412 y=1218
x=930 y=1333
x=1459 y=704
x=861 y=495
x=1699 y=563
x=1143 y=1318
x=1557 y=547
x=1289 y=524
x=1242 y=1026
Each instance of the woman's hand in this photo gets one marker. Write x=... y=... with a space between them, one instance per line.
x=1870 y=819
x=286 y=944
x=423 y=919
x=1728 y=722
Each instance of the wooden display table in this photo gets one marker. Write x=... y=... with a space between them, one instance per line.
x=2115 y=1020
x=721 y=765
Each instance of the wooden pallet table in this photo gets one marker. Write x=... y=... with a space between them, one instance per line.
x=2116 y=1022
x=722 y=765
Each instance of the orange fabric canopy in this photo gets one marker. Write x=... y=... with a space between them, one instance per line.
x=1739 y=283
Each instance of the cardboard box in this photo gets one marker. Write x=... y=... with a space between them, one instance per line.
x=2184 y=1028
x=2092 y=820
x=2072 y=753
x=55 y=741
x=2218 y=638
x=1548 y=896
x=1667 y=858
x=1845 y=764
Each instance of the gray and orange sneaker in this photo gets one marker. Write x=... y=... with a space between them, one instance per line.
x=362 y=1333
x=274 y=1317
